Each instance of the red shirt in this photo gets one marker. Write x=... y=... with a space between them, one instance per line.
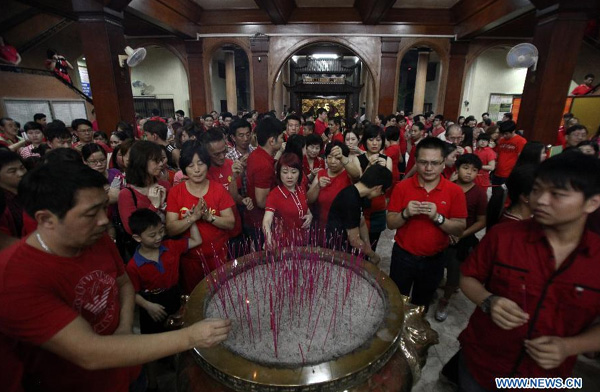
x=393 y=151
x=213 y=251
x=288 y=206
x=420 y=236
x=320 y=127
x=318 y=163
x=42 y=293
x=486 y=155
x=151 y=275
x=508 y=153
x=127 y=204
x=224 y=175
x=515 y=261
x=437 y=131
x=582 y=89
x=260 y=173
x=328 y=193
x=339 y=137
x=561 y=138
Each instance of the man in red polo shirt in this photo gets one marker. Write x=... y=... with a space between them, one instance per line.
x=425 y=209
x=260 y=172
x=321 y=121
x=223 y=170
x=292 y=126
x=508 y=149
x=536 y=282
x=585 y=87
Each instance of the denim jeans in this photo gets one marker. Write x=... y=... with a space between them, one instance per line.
x=422 y=273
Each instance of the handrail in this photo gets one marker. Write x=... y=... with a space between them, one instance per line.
x=44 y=72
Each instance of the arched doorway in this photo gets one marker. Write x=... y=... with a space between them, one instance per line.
x=160 y=82
x=230 y=79
x=491 y=85
x=324 y=74
x=419 y=82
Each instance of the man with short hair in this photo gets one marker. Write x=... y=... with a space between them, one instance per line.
x=424 y=210
x=507 y=117
x=35 y=135
x=483 y=124
x=292 y=126
x=346 y=227
x=438 y=126
x=390 y=121
x=156 y=132
x=508 y=149
x=9 y=135
x=415 y=135
x=535 y=282
x=321 y=121
x=66 y=297
x=335 y=129
x=40 y=118
x=260 y=171
x=57 y=135
x=85 y=133
x=575 y=135
x=208 y=121
x=585 y=87
x=240 y=131
x=227 y=118
x=180 y=116
x=156 y=116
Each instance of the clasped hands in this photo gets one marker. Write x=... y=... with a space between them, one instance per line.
x=415 y=207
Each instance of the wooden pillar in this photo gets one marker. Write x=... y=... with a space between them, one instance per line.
x=558 y=36
x=454 y=87
x=102 y=38
x=421 y=82
x=230 y=82
x=387 y=76
x=260 y=72
x=195 y=56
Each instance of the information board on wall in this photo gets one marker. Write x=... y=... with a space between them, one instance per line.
x=23 y=111
x=499 y=104
x=68 y=111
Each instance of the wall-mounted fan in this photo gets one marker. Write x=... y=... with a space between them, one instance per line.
x=133 y=57
x=522 y=56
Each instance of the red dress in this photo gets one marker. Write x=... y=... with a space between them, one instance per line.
x=328 y=193
x=213 y=251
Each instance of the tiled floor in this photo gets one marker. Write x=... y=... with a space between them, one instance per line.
x=459 y=311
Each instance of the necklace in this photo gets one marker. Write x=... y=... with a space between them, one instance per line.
x=42 y=243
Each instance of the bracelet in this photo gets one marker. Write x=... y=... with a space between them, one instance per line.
x=214 y=218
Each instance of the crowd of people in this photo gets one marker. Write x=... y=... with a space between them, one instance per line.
x=94 y=223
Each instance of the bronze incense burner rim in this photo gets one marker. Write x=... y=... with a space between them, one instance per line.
x=383 y=343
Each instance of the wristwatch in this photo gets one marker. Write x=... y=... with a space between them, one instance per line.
x=439 y=219
x=486 y=304
x=214 y=218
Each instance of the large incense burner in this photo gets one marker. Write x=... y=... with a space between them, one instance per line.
x=307 y=319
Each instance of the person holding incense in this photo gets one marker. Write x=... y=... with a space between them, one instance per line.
x=287 y=202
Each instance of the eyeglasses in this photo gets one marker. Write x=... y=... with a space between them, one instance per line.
x=96 y=163
x=429 y=163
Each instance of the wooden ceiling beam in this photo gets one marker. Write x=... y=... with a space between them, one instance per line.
x=418 y=16
x=166 y=15
x=475 y=17
x=279 y=11
x=373 y=11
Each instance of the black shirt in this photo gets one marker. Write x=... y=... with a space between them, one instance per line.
x=344 y=214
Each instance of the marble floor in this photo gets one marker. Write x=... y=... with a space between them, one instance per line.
x=460 y=309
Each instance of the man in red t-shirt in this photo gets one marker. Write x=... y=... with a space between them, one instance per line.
x=424 y=210
x=260 y=172
x=585 y=87
x=292 y=125
x=438 y=126
x=66 y=296
x=321 y=121
x=536 y=283
x=508 y=149
x=415 y=135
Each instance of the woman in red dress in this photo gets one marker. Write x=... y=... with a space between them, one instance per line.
x=287 y=203
x=206 y=204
